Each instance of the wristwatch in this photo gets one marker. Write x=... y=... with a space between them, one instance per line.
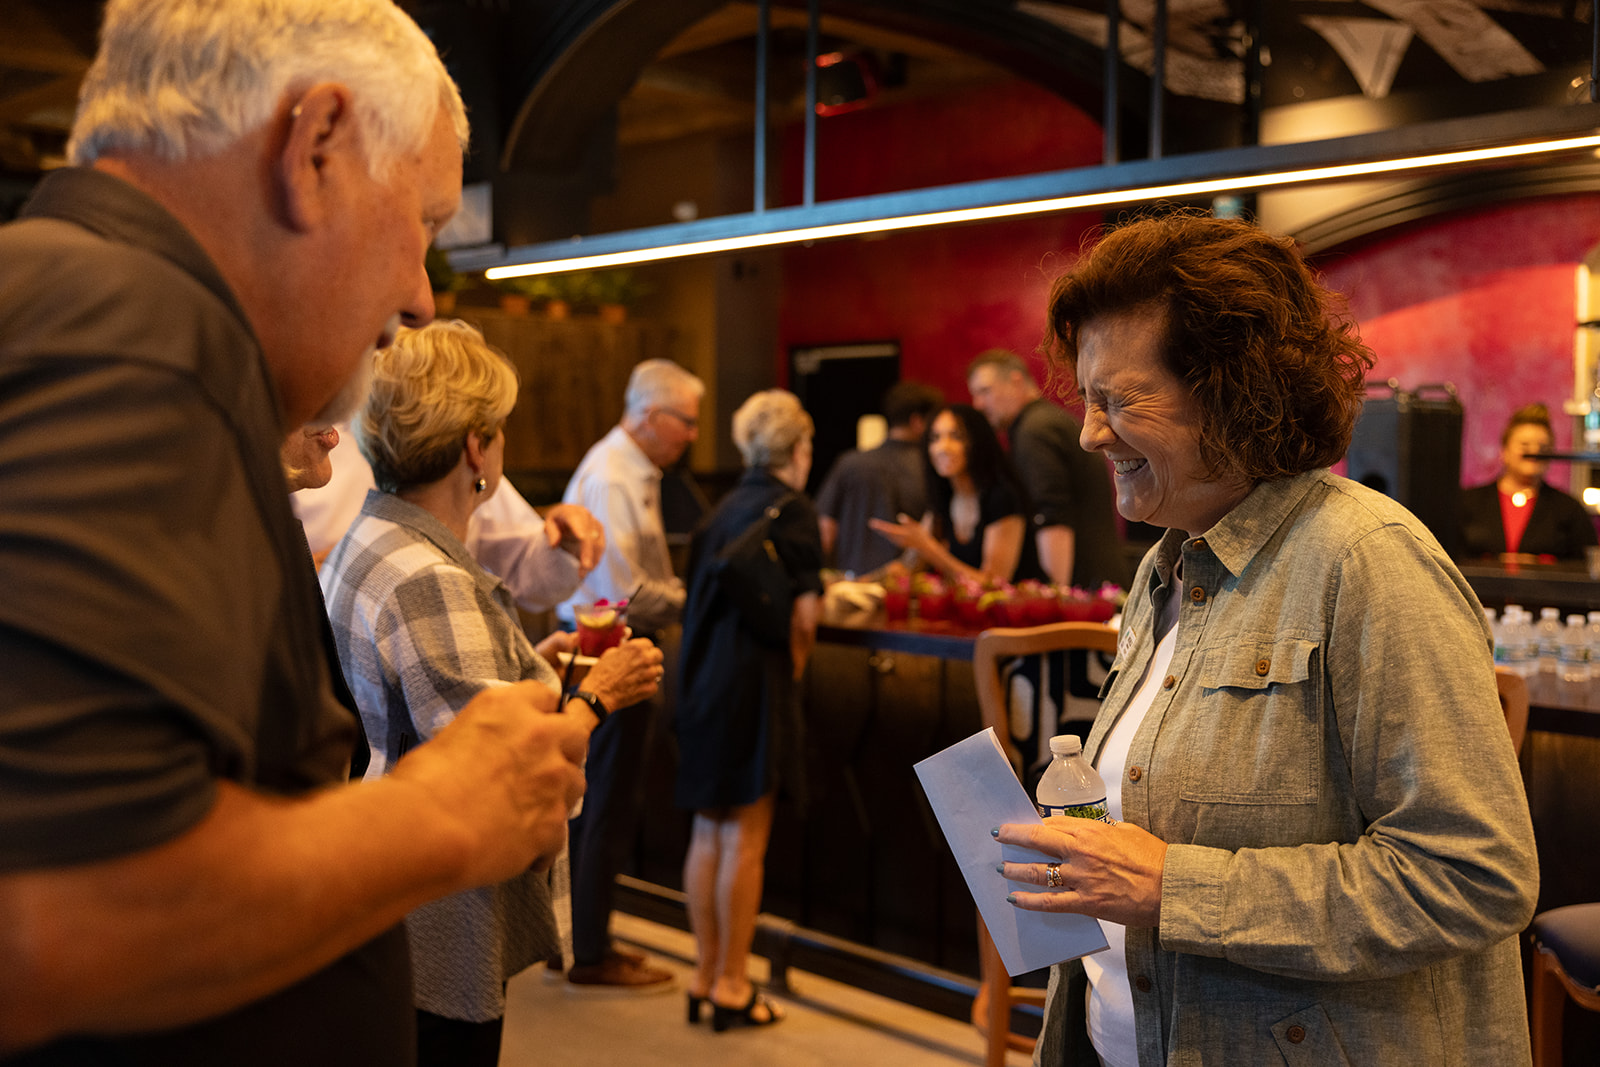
x=596 y=705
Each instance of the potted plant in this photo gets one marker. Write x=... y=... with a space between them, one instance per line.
x=612 y=291
x=445 y=281
x=518 y=294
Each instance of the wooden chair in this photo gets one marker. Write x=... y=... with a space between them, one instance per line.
x=991 y=1009
x=1566 y=964
x=1514 y=702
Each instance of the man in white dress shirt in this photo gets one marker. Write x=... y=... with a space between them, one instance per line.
x=541 y=560
x=619 y=481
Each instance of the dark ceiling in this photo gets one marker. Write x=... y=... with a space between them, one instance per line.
x=557 y=85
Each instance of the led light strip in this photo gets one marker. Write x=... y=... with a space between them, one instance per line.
x=1235 y=183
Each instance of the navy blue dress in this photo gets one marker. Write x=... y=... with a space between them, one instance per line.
x=738 y=719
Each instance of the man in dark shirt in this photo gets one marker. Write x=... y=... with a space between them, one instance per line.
x=1070 y=489
x=184 y=879
x=880 y=483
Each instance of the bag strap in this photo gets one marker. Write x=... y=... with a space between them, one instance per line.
x=773 y=510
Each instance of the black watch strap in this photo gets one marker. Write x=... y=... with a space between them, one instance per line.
x=596 y=705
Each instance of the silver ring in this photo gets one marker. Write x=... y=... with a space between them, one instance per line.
x=1052 y=875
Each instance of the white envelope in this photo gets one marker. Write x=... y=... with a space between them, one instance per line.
x=973 y=790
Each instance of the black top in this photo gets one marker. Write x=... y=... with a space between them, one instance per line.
x=882 y=483
x=738 y=717
x=1559 y=525
x=161 y=623
x=1069 y=487
x=997 y=502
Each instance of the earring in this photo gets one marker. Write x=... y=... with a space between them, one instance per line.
x=480 y=485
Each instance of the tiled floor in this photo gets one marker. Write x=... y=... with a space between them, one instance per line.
x=828 y=1024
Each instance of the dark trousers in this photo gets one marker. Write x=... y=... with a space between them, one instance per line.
x=444 y=1042
x=603 y=832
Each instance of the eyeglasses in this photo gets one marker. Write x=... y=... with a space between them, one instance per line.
x=688 y=420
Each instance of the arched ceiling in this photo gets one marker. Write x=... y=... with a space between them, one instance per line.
x=557 y=85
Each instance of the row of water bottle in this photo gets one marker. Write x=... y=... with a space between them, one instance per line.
x=1546 y=646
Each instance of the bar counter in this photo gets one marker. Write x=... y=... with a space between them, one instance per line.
x=863 y=871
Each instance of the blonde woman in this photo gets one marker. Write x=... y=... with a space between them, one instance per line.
x=738 y=715
x=421 y=628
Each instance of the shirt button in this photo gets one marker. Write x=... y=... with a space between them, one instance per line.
x=1295 y=1034
x=1197 y=594
x=1168 y=682
x=1263 y=666
x=1142 y=984
x=1135 y=773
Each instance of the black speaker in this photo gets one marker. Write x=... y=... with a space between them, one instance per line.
x=1407 y=445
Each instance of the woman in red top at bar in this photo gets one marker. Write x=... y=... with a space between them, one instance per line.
x=1519 y=513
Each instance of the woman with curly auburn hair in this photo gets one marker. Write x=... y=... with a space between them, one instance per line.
x=1321 y=848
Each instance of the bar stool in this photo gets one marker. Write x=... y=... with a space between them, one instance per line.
x=1566 y=963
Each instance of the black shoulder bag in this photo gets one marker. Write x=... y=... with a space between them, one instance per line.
x=754 y=580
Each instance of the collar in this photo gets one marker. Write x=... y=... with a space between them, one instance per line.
x=390 y=508
x=625 y=449
x=1245 y=530
x=110 y=207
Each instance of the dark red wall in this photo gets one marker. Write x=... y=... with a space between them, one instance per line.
x=1485 y=299
x=944 y=294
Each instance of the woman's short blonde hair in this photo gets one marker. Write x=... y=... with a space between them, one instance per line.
x=430 y=389
x=768 y=426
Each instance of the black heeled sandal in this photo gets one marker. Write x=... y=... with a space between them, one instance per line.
x=695 y=1004
x=723 y=1018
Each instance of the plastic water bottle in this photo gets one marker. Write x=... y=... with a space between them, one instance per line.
x=1515 y=633
x=1071 y=786
x=1549 y=640
x=1575 y=650
x=1593 y=630
x=1502 y=656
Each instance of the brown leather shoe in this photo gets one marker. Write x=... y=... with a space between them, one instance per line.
x=616 y=974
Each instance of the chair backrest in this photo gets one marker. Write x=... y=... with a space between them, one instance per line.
x=994 y=646
x=1513 y=690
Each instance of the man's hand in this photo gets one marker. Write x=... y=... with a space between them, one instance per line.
x=508 y=771
x=574 y=530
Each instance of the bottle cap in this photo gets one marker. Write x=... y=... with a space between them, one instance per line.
x=1065 y=745
x=1576 y=620
x=1549 y=613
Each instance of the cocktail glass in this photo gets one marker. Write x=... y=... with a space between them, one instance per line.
x=601 y=625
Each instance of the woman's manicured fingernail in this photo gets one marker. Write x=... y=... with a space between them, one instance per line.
x=995 y=832
x=1011 y=898
x=999 y=868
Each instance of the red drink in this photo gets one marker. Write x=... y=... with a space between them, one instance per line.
x=935 y=605
x=601 y=625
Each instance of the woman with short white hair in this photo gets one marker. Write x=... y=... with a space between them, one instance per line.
x=738 y=719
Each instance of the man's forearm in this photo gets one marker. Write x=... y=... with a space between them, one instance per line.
x=656 y=605
x=259 y=894
x=264 y=891
x=1057 y=549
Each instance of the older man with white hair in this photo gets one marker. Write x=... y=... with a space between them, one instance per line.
x=183 y=876
x=619 y=480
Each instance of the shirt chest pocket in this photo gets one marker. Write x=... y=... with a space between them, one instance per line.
x=1256 y=736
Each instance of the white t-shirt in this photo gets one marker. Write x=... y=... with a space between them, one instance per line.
x=1111 y=1026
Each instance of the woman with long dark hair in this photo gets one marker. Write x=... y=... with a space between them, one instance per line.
x=978 y=521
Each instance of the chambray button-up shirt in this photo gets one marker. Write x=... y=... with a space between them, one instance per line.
x=1350 y=855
